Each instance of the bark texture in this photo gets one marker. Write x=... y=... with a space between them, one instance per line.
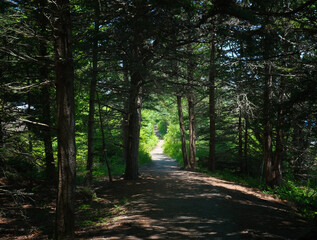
x=212 y=110
x=182 y=131
x=246 y=142
x=277 y=170
x=46 y=112
x=191 y=111
x=240 y=142
x=192 y=131
x=47 y=139
x=64 y=227
x=104 y=149
x=136 y=64
x=132 y=127
x=272 y=163
x=268 y=131
x=92 y=93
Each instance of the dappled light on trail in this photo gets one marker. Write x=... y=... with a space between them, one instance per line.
x=169 y=203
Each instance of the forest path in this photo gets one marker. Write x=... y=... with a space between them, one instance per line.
x=169 y=203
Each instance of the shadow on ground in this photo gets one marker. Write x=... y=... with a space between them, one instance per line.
x=167 y=203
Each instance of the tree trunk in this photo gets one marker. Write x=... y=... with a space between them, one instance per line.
x=29 y=116
x=277 y=170
x=298 y=146
x=191 y=112
x=125 y=123
x=1 y=135
x=93 y=84
x=48 y=148
x=1 y=129
x=182 y=131
x=192 y=131
x=133 y=126
x=246 y=170
x=240 y=143
x=268 y=125
x=267 y=108
x=50 y=173
x=137 y=70
x=212 y=109
x=64 y=228
x=279 y=149
x=104 y=149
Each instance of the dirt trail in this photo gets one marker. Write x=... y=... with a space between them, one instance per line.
x=168 y=203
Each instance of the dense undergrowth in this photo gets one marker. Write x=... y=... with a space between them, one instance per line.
x=24 y=180
x=148 y=141
x=302 y=194
x=29 y=168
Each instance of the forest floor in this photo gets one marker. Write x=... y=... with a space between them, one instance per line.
x=166 y=203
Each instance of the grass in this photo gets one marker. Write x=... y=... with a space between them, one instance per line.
x=96 y=213
x=304 y=196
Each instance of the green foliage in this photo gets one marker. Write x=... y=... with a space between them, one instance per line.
x=148 y=139
x=162 y=127
x=84 y=207
x=230 y=175
x=85 y=193
x=304 y=195
x=117 y=165
x=17 y=163
x=292 y=56
x=19 y=169
x=172 y=144
x=96 y=212
x=202 y=149
x=144 y=157
x=100 y=169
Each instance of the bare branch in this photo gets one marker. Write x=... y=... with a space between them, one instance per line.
x=25 y=89
x=37 y=124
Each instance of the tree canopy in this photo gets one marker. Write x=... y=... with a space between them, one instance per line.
x=231 y=85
